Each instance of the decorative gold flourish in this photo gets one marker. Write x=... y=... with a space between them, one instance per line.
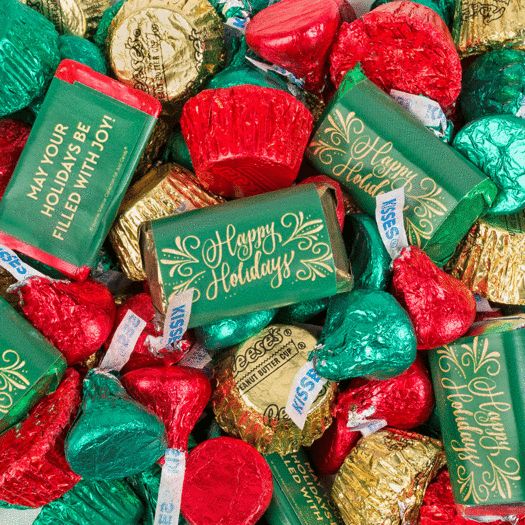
x=479 y=357
x=468 y=488
x=500 y=477
x=447 y=356
x=319 y=266
x=304 y=232
x=180 y=258
x=11 y=378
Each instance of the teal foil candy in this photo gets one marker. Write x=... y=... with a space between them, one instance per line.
x=82 y=50
x=371 y=263
x=366 y=333
x=494 y=84
x=234 y=330
x=146 y=486
x=101 y=33
x=302 y=312
x=177 y=150
x=94 y=503
x=114 y=436
x=28 y=55
x=496 y=145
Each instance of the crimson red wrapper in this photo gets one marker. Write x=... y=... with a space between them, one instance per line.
x=227 y=481
x=296 y=35
x=77 y=317
x=176 y=394
x=13 y=137
x=440 y=307
x=143 y=355
x=33 y=469
x=401 y=45
x=405 y=402
x=323 y=180
x=245 y=140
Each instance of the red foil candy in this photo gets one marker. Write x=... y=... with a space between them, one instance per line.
x=77 y=317
x=440 y=307
x=176 y=394
x=143 y=355
x=13 y=137
x=246 y=139
x=33 y=469
x=404 y=46
x=405 y=402
x=296 y=35
x=323 y=180
x=228 y=482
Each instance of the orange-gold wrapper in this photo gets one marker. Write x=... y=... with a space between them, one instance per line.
x=75 y=17
x=166 y=48
x=491 y=259
x=166 y=190
x=6 y=280
x=384 y=478
x=481 y=26
x=253 y=383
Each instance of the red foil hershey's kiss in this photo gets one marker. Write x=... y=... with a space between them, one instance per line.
x=440 y=307
x=401 y=45
x=77 y=317
x=33 y=469
x=404 y=402
x=176 y=394
x=228 y=482
x=244 y=140
x=13 y=138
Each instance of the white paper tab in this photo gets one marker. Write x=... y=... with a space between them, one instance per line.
x=389 y=219
x=277 y=69
x=177 y=318
x=170 y=489
x=305 y=388
x=360 y=422
x=521 y=111
x=482 y=305
x=21 y=271
x=197 y=357
x=123 y=342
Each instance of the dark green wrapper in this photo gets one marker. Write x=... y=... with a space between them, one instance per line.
x=82 y=50
x=177 y=150
x=302 y=312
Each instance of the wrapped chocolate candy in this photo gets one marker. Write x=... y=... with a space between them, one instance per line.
x=251 y=254
x=177 y=150
x=33 y=470
x=13 y=137
x=302 y=312
x=496 y=145
x=366 y=333
x=28 y=57
x=167 y=49
x=82 y=50
x=371 y=145
x=398 y=465
x=245 y=139
x=401 y=45
x=165 y=190
x=71 y=177
x=146 y=486
x=494 y=84
x=95 y=502
x=227 y=481
x=367 y=405
x=255 y=383
x=101 y=34
x=490 y=261
x=445 y=9
x=481 y=27
x=29 y=367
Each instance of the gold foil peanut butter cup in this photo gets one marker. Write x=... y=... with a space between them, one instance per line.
x=166 y=48
x=384 y=478
x=491 y=260
x=75 y=17
x=253 y=384
x=166 y=190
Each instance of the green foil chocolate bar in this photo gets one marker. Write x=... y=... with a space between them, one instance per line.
x=371 y=145
x=75 y=168
x=480 y=399
x=30 y=367
x=251 y=254
x=298 y=498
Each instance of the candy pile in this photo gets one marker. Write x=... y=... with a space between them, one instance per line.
x=262 y=262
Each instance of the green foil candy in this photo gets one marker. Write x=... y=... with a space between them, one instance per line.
x=302 y=312
x=94 y=502
x=146 y=486
x=494 y=84
x=366 y=333
x=101 y=33
x=177 y=150
x=28 y=56
x=496 y=145
x=371 y=263
x=114 y=436
x=234 y=330
x=82 y=50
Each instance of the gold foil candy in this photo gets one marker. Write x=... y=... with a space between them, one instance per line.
x=491 y=260
x=253 y=383
x=384 y=478
x=166 y=48
x=7 y=280
x=76 y=17
x=165 y=190
x=156 y=142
